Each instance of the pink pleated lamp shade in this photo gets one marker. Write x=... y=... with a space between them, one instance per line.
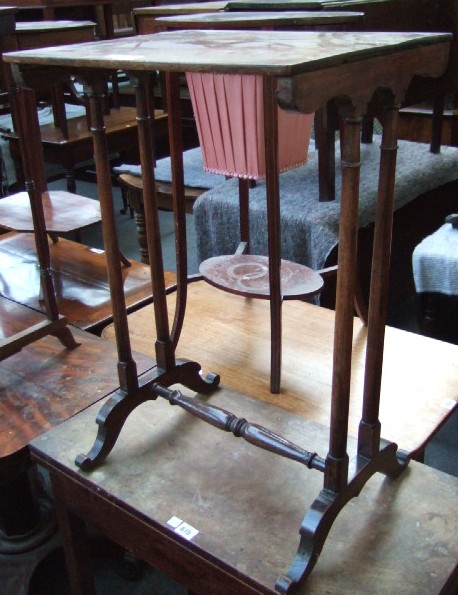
x=228 y=110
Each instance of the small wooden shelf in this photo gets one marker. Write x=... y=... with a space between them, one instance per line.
x=63 y=211
x=248 y=275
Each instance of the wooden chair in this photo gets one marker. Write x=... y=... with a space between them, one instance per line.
x=132 y=188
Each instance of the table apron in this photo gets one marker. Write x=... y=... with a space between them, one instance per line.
x=306 y=92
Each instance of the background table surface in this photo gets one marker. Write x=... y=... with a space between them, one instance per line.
x=245 y=20
x=270 y=52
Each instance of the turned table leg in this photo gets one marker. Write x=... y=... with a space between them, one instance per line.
x=369 y=429
x=336 y=474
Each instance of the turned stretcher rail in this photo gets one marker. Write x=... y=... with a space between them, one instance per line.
x=241 y=428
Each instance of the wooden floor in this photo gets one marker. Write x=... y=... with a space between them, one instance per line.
x=229 y=335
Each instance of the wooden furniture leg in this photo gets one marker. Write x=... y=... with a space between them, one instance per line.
x=273 y=222
x=343 y=481
x=437 y=120
x=369 y=430
x=337 y=467
x=134 y=390
x=24 y=102
x=325 y=138
x=76 y=544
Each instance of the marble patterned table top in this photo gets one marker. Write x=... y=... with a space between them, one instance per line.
x=270 y=52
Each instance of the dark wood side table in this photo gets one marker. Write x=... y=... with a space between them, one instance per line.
x=145 y=17
x=301 y=71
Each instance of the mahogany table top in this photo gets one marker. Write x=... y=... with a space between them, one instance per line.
x=420 y=375
x=80 y=279
x=63 y=211
x=268 y=52
x=45 y=383
x=59 y=3
x=247 y=20
x=284 y=5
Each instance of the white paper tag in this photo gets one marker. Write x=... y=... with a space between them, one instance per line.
x=184 y=529
x=174 y=522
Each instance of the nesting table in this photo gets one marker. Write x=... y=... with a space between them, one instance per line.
x=259 y=20
x=301 y=71
x=145 y=17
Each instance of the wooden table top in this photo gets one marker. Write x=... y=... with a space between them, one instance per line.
x=247 y=505
x=80 y=279
x=203 y=7
x=63 y=211
x=50 y=26
x=420 y=375
x=249 y=5
x=45 y=383
x=185 y=8
x=247 y=20
x=268 y=52
x=281 y=5
x=59 y=3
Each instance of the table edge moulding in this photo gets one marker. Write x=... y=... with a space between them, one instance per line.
x=301 y=71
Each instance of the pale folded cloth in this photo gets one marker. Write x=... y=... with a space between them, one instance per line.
x=435 y=262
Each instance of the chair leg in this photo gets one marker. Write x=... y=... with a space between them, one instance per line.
x=125 y=202
x=325 y=138
x=70 y=177
x=436 y=133
x=244 y=209
x=367 y=131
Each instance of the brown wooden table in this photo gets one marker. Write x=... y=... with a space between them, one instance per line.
x=40 y=387
x=145 y=17
x=237 y=343
x=291 y=20
x=74 y=146
x=35 y=34
x=28 y=35
x=397 y=537
x=64 y=212
x=80 y=280
x=310 y=70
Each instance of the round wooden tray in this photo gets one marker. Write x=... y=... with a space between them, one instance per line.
x=248 y=275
